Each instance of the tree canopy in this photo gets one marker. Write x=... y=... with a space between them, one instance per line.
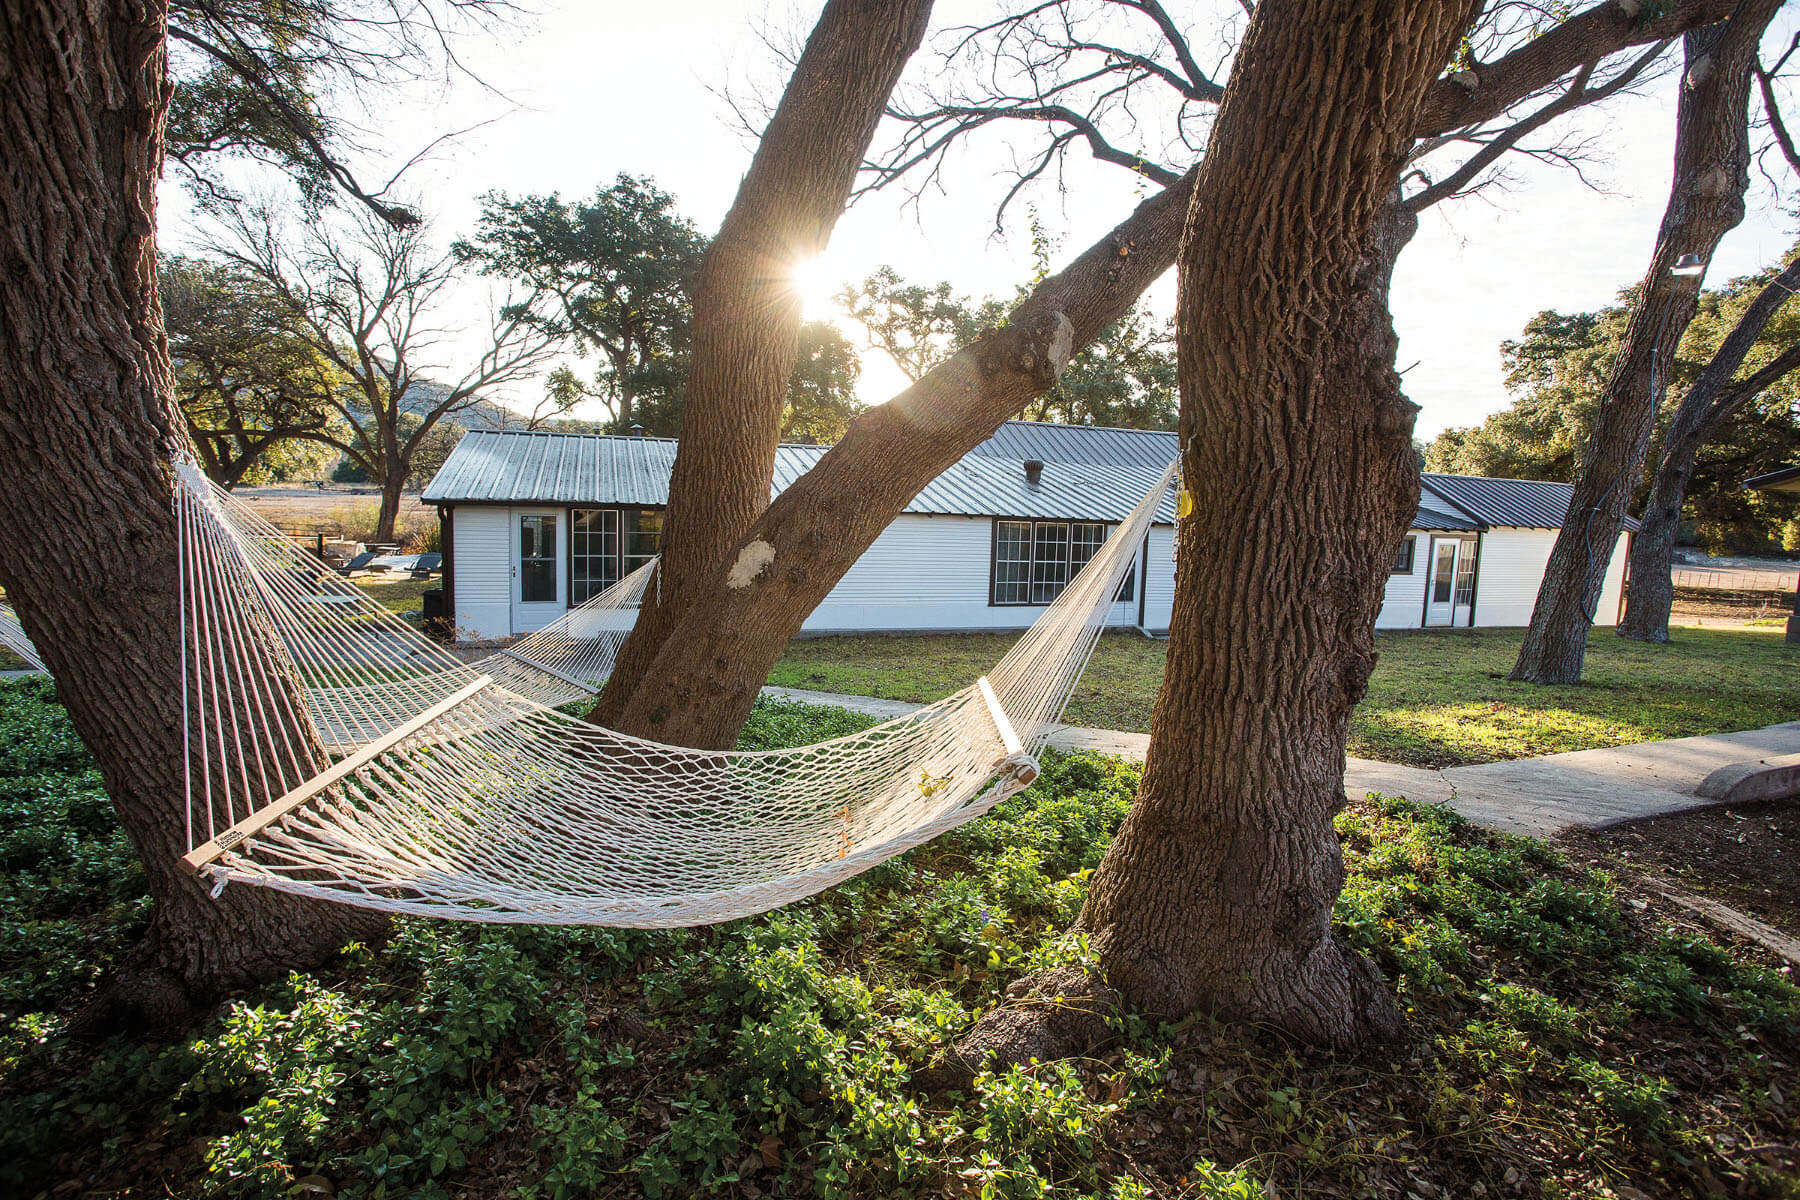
x=612 y=274
x=369 y=298
x=254 y=393
x=1124 y=377
x=269 y=80
x=1557 y=371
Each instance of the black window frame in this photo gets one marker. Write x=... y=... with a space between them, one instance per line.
x=1406 y=560
x=1033 y=587
x=619 y=554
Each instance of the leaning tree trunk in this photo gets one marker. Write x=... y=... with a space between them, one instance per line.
x=747 y=312
x=1712 y=401
x=705 y=678
x=87 y=421
x=1706 y=201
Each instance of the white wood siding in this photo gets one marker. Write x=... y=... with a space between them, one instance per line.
x=932 y=573
x=1403 y=604
x=1613 y=591
x=927 y=573
x=1159 y=595
x=481 y=557
x=1512 y=568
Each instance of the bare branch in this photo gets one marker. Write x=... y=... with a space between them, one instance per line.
x=1577 y=95
x=1765 y=81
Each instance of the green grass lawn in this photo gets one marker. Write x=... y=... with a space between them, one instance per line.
x=397 y=593
x=1438 y=697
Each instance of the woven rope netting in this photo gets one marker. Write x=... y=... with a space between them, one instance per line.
x=466 y=795
x=12 y=636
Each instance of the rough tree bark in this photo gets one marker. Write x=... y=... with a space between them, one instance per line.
x=1297 y=447
x=1713 y=400
x=87 y=420
x=747 y=311
x=1706 y=200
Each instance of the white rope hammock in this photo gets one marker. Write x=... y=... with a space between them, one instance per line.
x=12 y=636
x=465 y=795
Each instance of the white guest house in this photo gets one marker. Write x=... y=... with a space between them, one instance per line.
x=534 y=523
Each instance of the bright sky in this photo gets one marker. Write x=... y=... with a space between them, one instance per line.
x=590 y=89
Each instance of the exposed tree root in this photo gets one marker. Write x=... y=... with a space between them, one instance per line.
x=1057 y=1015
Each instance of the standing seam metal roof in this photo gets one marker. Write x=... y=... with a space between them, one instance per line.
x=1089 y=474
x=1520 y=503
x=498 y=467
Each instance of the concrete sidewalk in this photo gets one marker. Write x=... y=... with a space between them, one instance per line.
x=1536 y=796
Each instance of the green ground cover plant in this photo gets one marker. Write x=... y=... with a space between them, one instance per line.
x=1560 y=1041
x=1438 y=698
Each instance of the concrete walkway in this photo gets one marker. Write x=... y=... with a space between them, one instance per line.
x=1536 y=796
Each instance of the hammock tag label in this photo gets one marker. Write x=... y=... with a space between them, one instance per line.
x=228 y=839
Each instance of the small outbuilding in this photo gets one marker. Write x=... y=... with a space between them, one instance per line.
x=534 y=523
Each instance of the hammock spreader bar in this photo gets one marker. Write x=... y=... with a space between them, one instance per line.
x=1021 y=765
x=197 y=858
x=548 y=670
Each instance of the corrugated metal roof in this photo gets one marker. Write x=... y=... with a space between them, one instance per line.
x=1089 y=474
x=1103 y=446
x=497 y=466
x=1522 y=503
x=1787 y=479
x=1441 y=518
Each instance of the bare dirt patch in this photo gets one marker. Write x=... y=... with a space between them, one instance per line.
x=1701 y=606
x=1744 y=856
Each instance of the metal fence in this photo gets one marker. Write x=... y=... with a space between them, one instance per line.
x=1737 y=579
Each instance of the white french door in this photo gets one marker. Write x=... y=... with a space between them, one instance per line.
x=1450 y=588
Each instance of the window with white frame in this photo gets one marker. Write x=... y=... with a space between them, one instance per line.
x=1035 y=560
x=607 y=544
x=593 y=552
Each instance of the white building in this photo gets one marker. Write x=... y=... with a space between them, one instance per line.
x=536 y=522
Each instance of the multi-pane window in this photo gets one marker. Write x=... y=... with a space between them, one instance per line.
x=607 y=544
x=1403 y=562
x=643 y=537
x=1465 y=576
x=1012 y=562
x=1049 y=561
x=593 y=553
x=1035 y=560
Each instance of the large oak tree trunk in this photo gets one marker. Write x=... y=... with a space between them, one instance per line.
x=1297 y=447
x=87 y=421
x=747 y=314
x=1708 y=405
x=1706 y=201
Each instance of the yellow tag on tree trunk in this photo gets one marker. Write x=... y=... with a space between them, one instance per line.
x=1184 y=504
